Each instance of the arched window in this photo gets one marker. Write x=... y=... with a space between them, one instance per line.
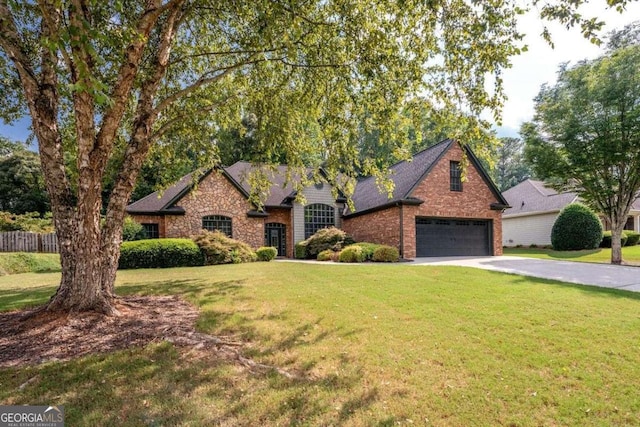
x=217 y=222
x=316 y=217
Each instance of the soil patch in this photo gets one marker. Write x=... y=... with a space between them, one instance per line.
x=33 y=337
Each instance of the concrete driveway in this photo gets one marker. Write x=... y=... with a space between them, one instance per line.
x=608 y=276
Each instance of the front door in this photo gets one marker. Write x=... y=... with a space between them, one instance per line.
x=275 y=235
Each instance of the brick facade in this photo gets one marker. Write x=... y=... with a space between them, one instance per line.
x=381 y=227
x=282 y=216
x=395 y=226
x=473 y=202
x=215 y=195
x=152 y=219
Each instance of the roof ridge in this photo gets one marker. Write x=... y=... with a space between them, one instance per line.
x=531 y=182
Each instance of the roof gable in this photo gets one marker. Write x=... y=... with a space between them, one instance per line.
x=163 y=202
x=407 y=176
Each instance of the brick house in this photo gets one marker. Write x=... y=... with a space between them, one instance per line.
x=432 y=212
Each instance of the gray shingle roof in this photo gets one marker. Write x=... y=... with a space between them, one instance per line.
x=404 y=174
x=533 y=196
x=280 y=188
x=159 y=201
x=162 y=201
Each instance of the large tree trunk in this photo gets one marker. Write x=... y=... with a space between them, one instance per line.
x=88 y=252
x=618 y=222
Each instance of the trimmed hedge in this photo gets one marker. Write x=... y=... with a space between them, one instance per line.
x=220 y=249
x=368 y=249
x=606 y=240
x=386 y=253
x=300 y=250
x=266 y=253
x=326 y=255
x=632 y=238
x=327 y=238
x=576 y=228
x=160 y=253
x=352 y=253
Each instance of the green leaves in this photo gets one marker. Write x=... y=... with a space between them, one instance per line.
x=586 y=131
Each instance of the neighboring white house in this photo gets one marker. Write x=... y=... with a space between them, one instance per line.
x=534 y=209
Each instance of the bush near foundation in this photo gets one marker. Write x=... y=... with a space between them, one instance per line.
x=352 y=253
x=327 y=238
x=386 y=253
x=300 y=250
x=606 y=240
x=160 y=253
x=218 y=248
x=326 y=255
x=368 y=249
x=576 y=228
x=266 y=253
x=632 y=238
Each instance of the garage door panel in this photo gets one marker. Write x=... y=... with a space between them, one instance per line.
x=452 y=237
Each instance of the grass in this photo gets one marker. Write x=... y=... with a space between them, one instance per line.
x=630 y=254
x=379 y=346
x=28 y=262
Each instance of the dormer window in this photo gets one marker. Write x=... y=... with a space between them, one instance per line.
x=455 y=176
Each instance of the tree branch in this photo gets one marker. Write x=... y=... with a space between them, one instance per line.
x=202 y=81
x=128 y=70
x=167 y=125
x=11 y=43
x=303 y=17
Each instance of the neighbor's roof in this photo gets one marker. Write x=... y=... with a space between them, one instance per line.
x=532 y=196
x=406 y=175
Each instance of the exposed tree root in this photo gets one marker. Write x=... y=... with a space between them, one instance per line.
x=40 y=335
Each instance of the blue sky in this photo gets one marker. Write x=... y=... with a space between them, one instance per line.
x=530 y=70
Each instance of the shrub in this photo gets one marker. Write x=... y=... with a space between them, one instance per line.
x=576 y=228
x=386 y=253
x=266 y=253
x=326 y=255
x=300 y=251
x=220 y=249
x=632 y=238
x=352 y=254
x=327 y=238
x=160 y=253
x=368 y=249
x=132 y=230
x=606 y=240
x=31 y=221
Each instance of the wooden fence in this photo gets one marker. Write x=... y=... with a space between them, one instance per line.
x=23 y=241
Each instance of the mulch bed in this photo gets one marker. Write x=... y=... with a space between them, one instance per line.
x=31 y=337
x=37 y=336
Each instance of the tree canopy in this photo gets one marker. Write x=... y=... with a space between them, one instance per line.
x=586 y=131
x=510 y=165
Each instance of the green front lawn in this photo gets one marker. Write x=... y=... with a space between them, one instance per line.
x=377 y=345
x=630 y=254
